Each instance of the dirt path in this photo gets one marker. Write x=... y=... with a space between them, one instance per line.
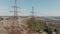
x=45 y=33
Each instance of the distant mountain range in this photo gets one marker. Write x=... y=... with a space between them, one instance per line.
x=53 y=17
x=43 y=17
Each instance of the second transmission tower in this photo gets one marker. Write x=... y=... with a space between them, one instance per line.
x=32 y=12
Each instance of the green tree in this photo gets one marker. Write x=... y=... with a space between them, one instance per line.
x=36 y=25
x=1 y=18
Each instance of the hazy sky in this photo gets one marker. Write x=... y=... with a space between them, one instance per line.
x=42 y=7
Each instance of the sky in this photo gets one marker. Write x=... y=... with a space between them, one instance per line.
x=41 y=7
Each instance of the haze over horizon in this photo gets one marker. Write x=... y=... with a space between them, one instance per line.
x=42 y=7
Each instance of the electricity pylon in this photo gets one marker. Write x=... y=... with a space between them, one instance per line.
x=15 y=21
x=15 y=11
x=32 y=12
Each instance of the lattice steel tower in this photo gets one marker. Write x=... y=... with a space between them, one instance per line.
x=15 y=10
x=32 y=12
x=15 y=21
